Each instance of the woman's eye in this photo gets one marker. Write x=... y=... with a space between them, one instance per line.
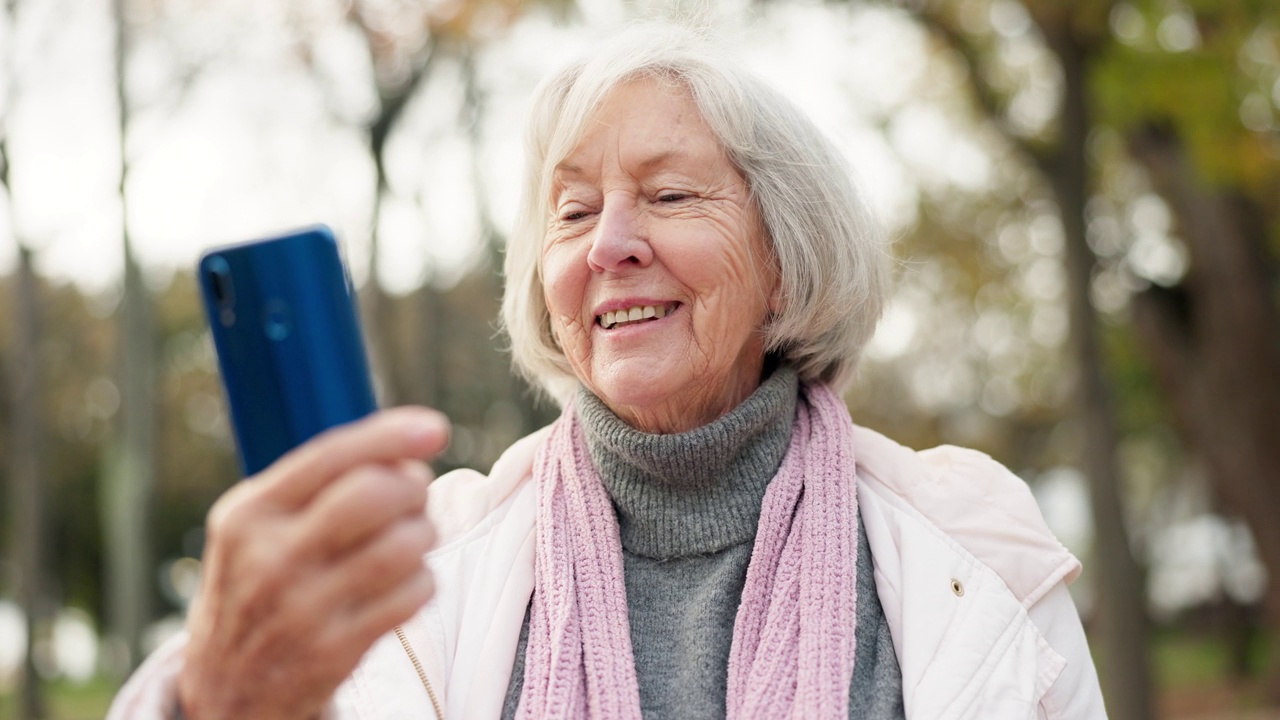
x=670 y=197
x=573 y=211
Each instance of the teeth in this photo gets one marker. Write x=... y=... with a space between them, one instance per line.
x=613 y=318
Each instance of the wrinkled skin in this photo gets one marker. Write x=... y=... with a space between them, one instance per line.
x=307 y=564
x=648 y=210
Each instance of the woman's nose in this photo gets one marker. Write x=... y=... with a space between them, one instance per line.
x=619 y=242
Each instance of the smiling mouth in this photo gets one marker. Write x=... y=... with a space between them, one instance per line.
x=634 y=315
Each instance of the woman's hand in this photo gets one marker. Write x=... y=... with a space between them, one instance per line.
x=307 y=564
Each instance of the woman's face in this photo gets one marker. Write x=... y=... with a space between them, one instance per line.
x=654 y=267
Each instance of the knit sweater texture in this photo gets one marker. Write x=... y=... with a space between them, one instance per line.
x=688 y=505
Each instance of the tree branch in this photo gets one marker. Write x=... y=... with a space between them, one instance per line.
x=988 y=99
x=394 y=102
x=178 y=96
x=472 y=111
x=11 y=12
x=4 y=161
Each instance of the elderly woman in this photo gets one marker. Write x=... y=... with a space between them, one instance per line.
x=704 y=532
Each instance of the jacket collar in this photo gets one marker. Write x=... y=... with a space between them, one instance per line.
x=977 y=502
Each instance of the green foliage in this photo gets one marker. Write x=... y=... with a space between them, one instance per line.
x=75 y=350
x=1142 y=408
x=1199 y=91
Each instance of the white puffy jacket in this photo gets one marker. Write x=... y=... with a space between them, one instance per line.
x=973 y=584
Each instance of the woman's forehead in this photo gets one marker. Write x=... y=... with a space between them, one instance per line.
x=647 y=125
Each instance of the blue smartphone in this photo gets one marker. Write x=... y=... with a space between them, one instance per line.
x=283 y=316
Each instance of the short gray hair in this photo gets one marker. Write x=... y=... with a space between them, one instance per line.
x=830 y=251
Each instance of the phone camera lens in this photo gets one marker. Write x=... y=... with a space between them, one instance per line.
x=222 y=289
x=221 y=284
x=219 y=289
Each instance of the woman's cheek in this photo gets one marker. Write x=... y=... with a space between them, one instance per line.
x=555 y=278
x=563 y=292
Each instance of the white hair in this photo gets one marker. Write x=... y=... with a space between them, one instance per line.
x=830 y=252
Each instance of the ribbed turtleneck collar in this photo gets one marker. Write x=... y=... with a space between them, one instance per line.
x=696 y=492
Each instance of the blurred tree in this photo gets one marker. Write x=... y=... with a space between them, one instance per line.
x=80 y=406
x=129 y=478
x=401 y=52
x=197 y=460
x=404 y=42
x=1192 y=90
x=1072 y=34
x=982 y=365
x=25 y=444
x=130 y=471
x=27 y=474
x=511 y=391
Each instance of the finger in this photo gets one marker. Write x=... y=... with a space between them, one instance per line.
x=358 y=505
x=231 y=510
x=390 y=436
x=372 y=620
x=419 y=471
x=377 y=567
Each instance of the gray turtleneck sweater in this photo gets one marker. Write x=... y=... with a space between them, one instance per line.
x=688 y=505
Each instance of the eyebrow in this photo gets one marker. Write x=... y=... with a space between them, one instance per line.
x=659 y=158
x=567 y=168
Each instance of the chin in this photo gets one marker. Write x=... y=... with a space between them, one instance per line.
x=627 y=395
x=637 y=388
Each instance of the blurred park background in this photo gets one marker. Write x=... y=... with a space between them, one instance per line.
x=1083 y=194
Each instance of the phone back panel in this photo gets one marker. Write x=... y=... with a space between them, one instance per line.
x=284 y=323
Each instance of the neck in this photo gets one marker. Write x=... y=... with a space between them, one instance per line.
x=700 y=406
x=694 y=492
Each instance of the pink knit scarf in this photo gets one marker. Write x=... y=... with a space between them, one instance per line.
x=793 y=638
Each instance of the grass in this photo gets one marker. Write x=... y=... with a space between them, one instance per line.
x=1194 y=679
x=1187 y=658
x=1182 y=660
x=66 y=700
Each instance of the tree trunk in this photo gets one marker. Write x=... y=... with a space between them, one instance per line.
x=1122 y=617
x=427 y=332
x=131 y=464
x=27 y=476
x=375 y=306
x=472 y=116
x=130 y=474
x=26 y=441
x=1214 y=341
